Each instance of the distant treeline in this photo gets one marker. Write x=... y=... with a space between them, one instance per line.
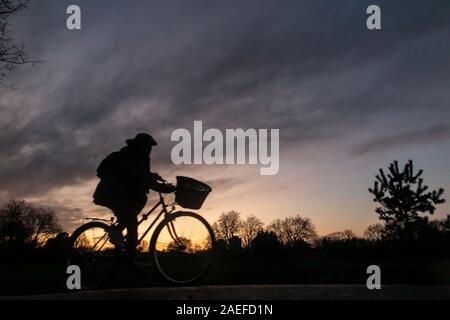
x=404 y=203
x=404 y=229
x=297 y=236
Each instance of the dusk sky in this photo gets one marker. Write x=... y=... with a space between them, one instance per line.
x=346 y=100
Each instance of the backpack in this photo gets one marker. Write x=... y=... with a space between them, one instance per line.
x=109 y=165
x=104 y=194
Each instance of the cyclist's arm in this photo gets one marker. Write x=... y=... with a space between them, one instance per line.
x=156 y=183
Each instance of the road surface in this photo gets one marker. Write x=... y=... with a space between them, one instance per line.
x=254 y=292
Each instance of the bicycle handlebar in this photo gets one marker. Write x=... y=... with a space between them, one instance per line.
x=160 y=179
x=163 y=181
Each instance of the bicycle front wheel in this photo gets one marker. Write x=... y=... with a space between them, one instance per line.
x=94 y=253
x=182 y=247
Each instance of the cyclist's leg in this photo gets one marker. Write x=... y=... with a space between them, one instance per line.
x=127 y=218
x=132 y=235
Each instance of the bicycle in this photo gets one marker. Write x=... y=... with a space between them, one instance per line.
x=181 y=247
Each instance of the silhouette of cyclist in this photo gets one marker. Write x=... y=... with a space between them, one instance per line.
x=126 y=180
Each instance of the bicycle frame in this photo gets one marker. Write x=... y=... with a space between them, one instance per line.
x=163 y=211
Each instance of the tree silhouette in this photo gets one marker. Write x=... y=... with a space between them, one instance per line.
x=22 y=223
x=375 y=232
x=181 y=244
x=11 y=53
x=292 y=230
x=402 y=197
x=42 y=223
x=341 y=243
x=340 y=236
x=13 y=229
x=228 y=226
x=249 y=229
x=266 y=243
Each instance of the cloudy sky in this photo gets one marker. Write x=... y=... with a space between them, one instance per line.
x=347 y=100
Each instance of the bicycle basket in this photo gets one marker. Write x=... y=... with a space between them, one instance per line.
x=191 y=193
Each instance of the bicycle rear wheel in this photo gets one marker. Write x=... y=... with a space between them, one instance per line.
x=182 y=247
x=94 y=253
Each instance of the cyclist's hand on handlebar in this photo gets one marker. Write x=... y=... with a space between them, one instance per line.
x=156 y=177
x=161 y=185
x=166 y=187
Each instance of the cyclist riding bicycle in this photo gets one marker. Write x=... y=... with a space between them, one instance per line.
x=125 y=181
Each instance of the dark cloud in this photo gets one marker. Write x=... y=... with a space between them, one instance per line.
x=309 y=68
x=428 y=135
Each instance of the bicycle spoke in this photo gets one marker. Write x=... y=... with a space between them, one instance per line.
x=95 y=244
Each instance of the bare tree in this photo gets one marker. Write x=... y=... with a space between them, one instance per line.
x=11 y=53
x=292 y=230
x=42 y=224
x=13 y=230
x=181 y=244
x=22 y=223
x=339 y=236
x=249 y=229
x=374 y=232
x=228 y=226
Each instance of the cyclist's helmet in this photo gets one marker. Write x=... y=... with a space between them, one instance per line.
x=142 y=139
